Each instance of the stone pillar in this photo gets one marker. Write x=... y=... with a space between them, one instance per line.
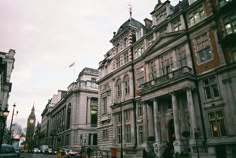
x=145 y=123
x=191 y=111
x=177 y=142
x=89 y=111
x=156 y=125
x=150 y=120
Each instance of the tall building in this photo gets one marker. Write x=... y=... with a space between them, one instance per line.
x=169 y=85
x=30 y=129
x=73 y=118
x=7 y=61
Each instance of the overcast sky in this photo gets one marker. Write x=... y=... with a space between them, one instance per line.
x=49 y=35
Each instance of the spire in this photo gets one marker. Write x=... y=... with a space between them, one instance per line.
x=130 y=10
x=33 y=109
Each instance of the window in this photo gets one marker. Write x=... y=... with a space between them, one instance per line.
x=125 y=42
x=149 y=41
x=104 y=105
x=177 y=25
x=126 y=85
x=166 y=63
x=233 y=50
x=196 y=16
x=230 y=24
x=93 y=117
x=140 y=110
x=138 y=52
x=119 y=134
x=140 y=134
x=152 y=70
x=224 y=2
x=127 y=133
x=105 y=134
x=117 y=48
x=126 y=57
x=202 y=45
x=118 y=88
x=211 y=88
x=217 y=125
x=181 y=56
x=93 y=79
x=140 y=76
x=127 y=115
x=119 y=117
x=118 y=62
x=192 y=1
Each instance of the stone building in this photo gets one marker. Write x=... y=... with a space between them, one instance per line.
x=169 y=84
x=73 y=118
x=45 y=134
x=7 y=61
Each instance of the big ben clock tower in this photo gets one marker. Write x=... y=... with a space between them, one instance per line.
x=30 y=129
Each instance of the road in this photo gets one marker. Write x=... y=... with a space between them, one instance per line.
x=29 y=155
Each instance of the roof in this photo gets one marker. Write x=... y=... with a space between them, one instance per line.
x=130 y=22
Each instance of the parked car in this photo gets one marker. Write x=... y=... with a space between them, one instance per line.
x=36 y=150
x=76 y=151
x=8 y=151
x=48 y=151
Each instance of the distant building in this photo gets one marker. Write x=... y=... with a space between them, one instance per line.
x=30 y=130
x=170 y=84
x=73 y=118
x=45 y=132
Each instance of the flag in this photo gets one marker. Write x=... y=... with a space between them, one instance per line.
x=72 y=64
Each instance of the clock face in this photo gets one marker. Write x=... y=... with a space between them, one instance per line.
x=31 y=121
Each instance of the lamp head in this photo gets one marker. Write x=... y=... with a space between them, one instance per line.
x=5 y=112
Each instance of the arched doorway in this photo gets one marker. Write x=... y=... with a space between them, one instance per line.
x=171 y=131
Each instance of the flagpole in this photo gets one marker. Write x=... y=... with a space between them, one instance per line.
x=74 y=74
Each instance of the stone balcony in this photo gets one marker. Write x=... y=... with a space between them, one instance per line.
x=172 y=77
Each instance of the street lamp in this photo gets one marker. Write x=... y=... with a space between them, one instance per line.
x=3 y=117
x=12 y=121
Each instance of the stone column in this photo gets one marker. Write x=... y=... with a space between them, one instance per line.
x=150 y=120
x=89 y=111
x=177 y=142
x=145 y=123
x=191 y=111
x=156 y=127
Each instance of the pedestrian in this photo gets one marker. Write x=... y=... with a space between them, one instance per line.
x=89 y=151
x=144 y=153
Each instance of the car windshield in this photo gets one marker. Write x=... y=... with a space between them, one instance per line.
x=75 y=149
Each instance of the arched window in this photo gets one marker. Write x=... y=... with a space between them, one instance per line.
x=118 y=88
x=126 y=85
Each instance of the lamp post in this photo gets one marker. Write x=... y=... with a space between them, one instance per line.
x=196 y=135
x=3 y=117
x=12 y=121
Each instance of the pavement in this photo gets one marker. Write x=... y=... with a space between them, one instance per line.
x=30 y=155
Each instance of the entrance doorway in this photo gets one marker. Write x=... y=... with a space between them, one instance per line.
x=220 y=151
x=171 y=131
